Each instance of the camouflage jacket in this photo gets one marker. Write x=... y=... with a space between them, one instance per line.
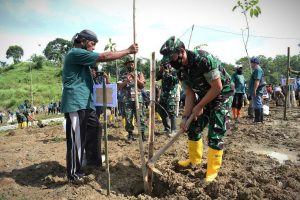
x=202 y=68
x=127 y=93
x=169 y=83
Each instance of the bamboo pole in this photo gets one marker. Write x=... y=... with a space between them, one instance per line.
x=105 y=134
x=138 y=109
x=287 y=94
x=151 y=120
x=163 y=149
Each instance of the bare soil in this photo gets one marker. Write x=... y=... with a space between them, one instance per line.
x=32 y=165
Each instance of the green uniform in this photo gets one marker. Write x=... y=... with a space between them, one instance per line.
x=202 y=68
x=128 y=99
x=167 y=101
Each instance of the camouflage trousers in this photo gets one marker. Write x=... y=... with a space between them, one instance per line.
x=130 y=111
x=216 y=116
x=166 y=108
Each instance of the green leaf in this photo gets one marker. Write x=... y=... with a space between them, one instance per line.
x=255 y=13
x=258 y=9
x=234 y=8
x=251 y=12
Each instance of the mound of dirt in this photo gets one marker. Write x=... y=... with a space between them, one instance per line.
x=261 y=161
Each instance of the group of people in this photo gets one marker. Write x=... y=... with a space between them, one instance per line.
x=210 y=94
x=254 y=92
x=54 y=107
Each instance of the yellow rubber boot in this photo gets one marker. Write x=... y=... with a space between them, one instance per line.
x=158 y=118
x=22 y=125
x=214 y=163
x=123 y=122
x=111 y=118
x=195 y=154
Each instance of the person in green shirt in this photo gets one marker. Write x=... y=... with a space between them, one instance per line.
x=208 y=101
x=83 y=130
x=238 y=83
x=256 y=88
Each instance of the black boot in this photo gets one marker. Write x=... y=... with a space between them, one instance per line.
x=143 y=136
x=173 y=126
x=130 y=136
x=166 y=123
x=250 y=112
x=257 y=115
x=262 y=115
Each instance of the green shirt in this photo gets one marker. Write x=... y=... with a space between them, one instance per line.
x=77 y=80
x=239 y=82
x=257 y=74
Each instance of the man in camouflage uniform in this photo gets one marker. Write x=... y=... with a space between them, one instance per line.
x=167 y=100
x=126 y=84
x=208 y=101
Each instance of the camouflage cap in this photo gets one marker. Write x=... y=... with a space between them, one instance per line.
x=170 y=47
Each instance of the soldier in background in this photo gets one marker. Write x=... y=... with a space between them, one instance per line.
x=167 y=100
x=126 y=84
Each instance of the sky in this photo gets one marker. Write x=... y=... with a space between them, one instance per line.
x=32 y=24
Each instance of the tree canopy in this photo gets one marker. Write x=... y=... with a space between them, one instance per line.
x=15 y=52
x=56 y=49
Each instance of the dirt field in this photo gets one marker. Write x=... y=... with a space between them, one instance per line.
x=32 y=165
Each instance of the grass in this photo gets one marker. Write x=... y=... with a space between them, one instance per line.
x=15 y=85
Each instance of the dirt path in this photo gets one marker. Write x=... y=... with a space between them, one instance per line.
x=260 y=162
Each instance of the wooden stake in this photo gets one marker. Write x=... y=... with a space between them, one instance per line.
x=105 y=135
x=138 y=109
x=287 y=94
x=151 y=120
x=163 y=149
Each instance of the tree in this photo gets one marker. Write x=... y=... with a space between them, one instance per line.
x=252 y=8
x=37 y=61
x=56 y=49
x=111 y=46
x=16 y=52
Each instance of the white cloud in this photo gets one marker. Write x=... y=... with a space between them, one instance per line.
x=156 y=20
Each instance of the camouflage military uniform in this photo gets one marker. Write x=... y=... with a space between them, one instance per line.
x=202 y=68
x=128 y=99
x=167 y=101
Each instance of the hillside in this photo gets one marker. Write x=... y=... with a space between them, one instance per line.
x=15 y=85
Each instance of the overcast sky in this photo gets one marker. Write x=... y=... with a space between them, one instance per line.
x=31 y=24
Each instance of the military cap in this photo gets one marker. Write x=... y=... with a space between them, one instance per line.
x=171 y=46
